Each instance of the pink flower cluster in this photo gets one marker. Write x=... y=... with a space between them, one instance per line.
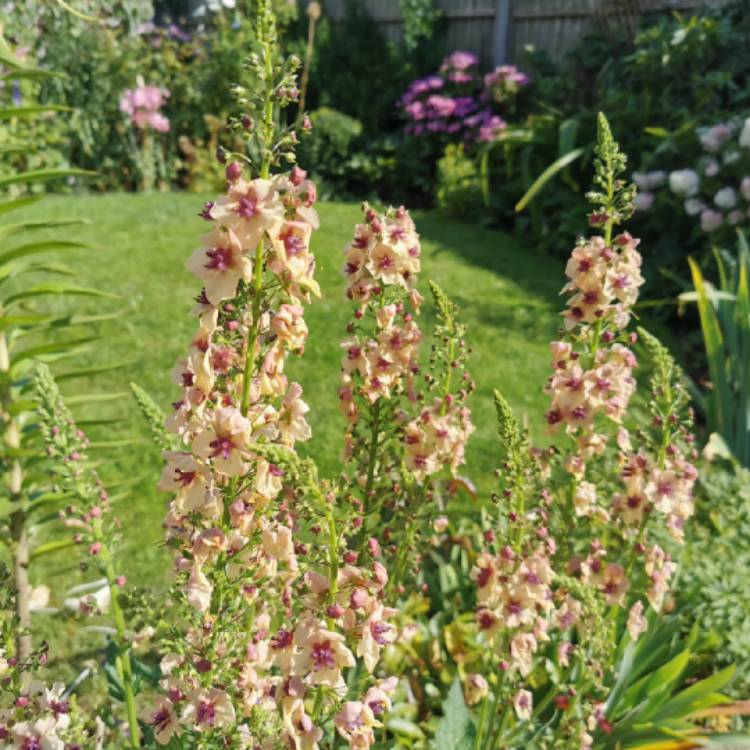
x=514 y=595
x=143 y=104
x=603 y=284
x=384 y=253
x=437 y=437
x=459 y=102
x=503 y=82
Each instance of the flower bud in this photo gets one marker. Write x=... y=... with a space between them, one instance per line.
x=234 y=171
x=335 y=611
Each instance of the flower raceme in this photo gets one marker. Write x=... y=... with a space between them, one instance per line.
x=244 y=508
x=581 y=546
x=381 y=356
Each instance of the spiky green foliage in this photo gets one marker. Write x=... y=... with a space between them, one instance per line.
x=725 y=324
x=613 y=198
x=32 y=328
x=154 y=416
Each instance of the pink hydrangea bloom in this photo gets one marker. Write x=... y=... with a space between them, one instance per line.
x=142 y=105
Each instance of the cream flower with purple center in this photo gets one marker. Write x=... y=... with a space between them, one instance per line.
x=223 y=442
x=162 y=719
x=322 y=654
x=250 y=209
x=186 y=477
x=221 y=263
x=355 y=722
x=292 y=423
x=376 y=635
x=208 y=709
x=523 y=702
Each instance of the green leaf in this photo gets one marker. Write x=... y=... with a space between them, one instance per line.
x=624 y=671
x=701 y=695
x=13 y=205
x=7 y=113
x=50 y=547
x=42 y=175
x=21 y=321
x=657 y=132
x=54 y=348
x=455 y=730
x=54 y=287
x=546 y=176
x=8 y=230
x=21 y=405
x=88 y=371
x=405 y=728
x=32 y=248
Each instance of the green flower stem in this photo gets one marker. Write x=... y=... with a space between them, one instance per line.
x=333 y=558
x=123 y=664
x=372 y=455
x=265 y=169
x=482 y=722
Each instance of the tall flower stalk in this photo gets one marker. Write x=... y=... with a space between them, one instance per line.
x=557 y=603
x=273 y=610
x=90 y=515
x=404 y=422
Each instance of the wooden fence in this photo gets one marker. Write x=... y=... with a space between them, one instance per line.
x=498 y=30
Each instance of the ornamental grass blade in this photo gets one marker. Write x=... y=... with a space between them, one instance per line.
x=8 y=230
x=42 y=175
x=89 y=371
x=17 y=203
x=56 y=347
x=95 y=398
x=546 y=176
x=742 y=448
x=23 y=113
x=50 y=547
x=720 y=400
x=697 y=697
x=34 y=248
x=56 y=288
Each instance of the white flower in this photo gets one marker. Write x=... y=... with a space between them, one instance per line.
x=649 y=180
x=684 y=182
x=711 y=168
x=725 y=198
x=735 y=217
x=745 y=188
x=641 y=180
x=713 y=139
x=693 y=206
x=711 y=220
x=644 y=201
x=730 y=157
x=745 y=134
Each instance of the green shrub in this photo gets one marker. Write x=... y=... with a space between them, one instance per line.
x=458 y=188
x=715 y=564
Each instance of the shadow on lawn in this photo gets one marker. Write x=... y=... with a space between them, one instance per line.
x=531 y=281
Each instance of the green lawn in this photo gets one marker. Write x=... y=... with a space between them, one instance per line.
x=507 y=294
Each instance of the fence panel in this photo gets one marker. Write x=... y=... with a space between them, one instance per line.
x=496 y=29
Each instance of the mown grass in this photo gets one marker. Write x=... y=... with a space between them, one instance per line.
x=506 y=292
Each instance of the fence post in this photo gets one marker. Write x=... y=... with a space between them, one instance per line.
x=501 y=31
